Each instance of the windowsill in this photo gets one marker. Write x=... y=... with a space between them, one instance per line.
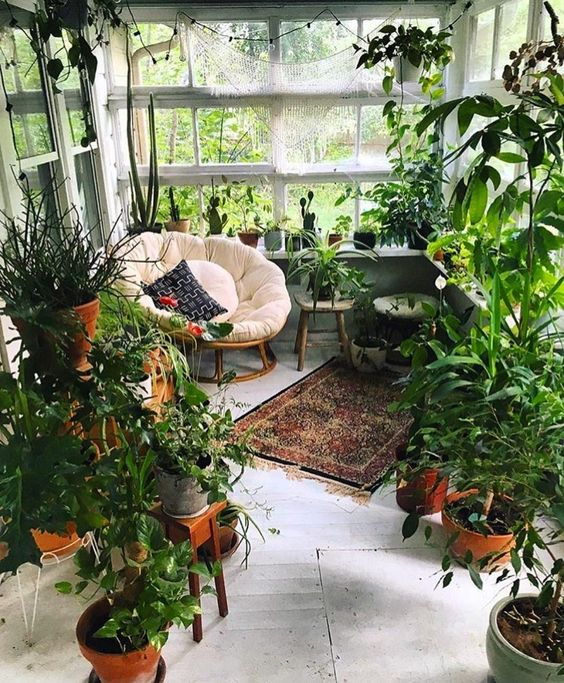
x=352 y=252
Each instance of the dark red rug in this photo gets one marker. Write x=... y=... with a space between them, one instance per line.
x=334 y=423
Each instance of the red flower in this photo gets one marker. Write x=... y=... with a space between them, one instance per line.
x=168 y=301
x=194 y=329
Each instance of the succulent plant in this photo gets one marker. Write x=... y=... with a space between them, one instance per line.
x=308 y=217
x=174 y=210
x=216 y=221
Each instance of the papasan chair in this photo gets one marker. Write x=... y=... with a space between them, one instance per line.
x=253 y=290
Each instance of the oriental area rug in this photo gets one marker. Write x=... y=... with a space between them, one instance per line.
x=334 y=423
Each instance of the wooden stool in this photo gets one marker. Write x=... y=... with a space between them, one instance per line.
x=338 y=308
x=198 y=530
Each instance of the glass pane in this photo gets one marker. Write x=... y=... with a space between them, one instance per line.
x=323 y=205
x=512 y=31
x=69 y=83
x=174 y=133
x=186 y=198
x=25 y=92
x=230 y=136
x=88 y=199
x=481 y=60
x=209 y=71
x=244 y=210
x=374 y=137
x=322 y=39
x=154 y=41
x=558 y=7
x=329 y=136
x=41 y=181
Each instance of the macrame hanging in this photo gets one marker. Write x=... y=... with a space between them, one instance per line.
x=229 y=72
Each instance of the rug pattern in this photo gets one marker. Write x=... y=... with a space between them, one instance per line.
x=335 y=423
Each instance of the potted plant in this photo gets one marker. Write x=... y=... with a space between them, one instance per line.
x=309 y=228
x=364 y=237
x=273 y=234
x=328 y=276
x=193 y=451
x=340 y=230
x=234 y=523
x=368 y=347
x=293 y=241
x=144 y=202
x=176 y=224
x=51 y=276
x=143 y=575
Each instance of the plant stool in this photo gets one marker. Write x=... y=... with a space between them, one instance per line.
x=198 y=530
x=338 y=308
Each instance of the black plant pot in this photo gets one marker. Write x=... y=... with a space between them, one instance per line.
x=364 y=240
x=308 y=239
x=293 y=243
x=417 y=237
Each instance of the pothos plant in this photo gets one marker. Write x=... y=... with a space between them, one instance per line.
x=84 y=25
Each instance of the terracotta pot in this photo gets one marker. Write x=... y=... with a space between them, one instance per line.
x=139 y=666
x=439 y=255
x=228 y=541
x=334 y=238
x=249 y=238
x=182 y=225
x=479 y=545
x=77 y=348
x=58 y=545
x=423 y=494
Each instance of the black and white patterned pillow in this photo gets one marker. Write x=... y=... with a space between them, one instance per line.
x=193 y=300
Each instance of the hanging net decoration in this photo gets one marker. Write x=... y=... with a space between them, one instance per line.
x=300 y=127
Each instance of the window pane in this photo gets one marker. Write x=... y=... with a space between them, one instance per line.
x=322 y=39
x=88 y=199
x=186 y=198
x=157 y=38
x=481 y=59
x=42 y=183
x=25 y=92
x=230 y=136
x=242 y=210
x=323 y=204
x=173 y=129
x=210 y=71
x=512 y=31
x=326 y=137
x=374 y=137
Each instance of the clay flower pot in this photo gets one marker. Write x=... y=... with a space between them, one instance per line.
x=423 y=494
x=249 y=238
x=139 y=666
x=77 y=347
x=182 y=225
x=507 y=663
x=480 y=546
x=333 y=238
x=59 y=545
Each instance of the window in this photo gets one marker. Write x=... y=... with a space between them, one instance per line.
x=323 y=204
x=229 y=136
x=24 y=86
x=496 y=32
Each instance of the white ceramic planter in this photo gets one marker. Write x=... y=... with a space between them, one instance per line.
x=509 y=665
x=405 y=71
x=180 y=496
x=273 y=240
x=365 y=359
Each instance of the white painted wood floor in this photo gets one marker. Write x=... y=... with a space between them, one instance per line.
x=334 y=595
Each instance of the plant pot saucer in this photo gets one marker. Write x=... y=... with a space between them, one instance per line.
x=235 y=543
x=194 y=514
x=161 y=673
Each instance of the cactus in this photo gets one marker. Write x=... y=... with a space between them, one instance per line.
x=308 y=217
x=144 y=207
x=174 y=210
x=216 y=222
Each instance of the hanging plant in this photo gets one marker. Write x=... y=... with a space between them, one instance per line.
x=83 y=24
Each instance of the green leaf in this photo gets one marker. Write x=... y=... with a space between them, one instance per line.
x=410 y=525
x=478 y=200
x=387 y=84
x=475 y=576
x=491 y=143
x=515 y=560
x=64 y=587
x=54 y=68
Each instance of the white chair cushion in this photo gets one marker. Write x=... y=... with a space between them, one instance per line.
x=263 y=301
x=219 y=284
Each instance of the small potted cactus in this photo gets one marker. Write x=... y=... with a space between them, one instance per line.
x=215 y=221
x=308 y=220
x=176 y=224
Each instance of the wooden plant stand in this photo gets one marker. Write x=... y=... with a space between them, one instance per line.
x=198 y=530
